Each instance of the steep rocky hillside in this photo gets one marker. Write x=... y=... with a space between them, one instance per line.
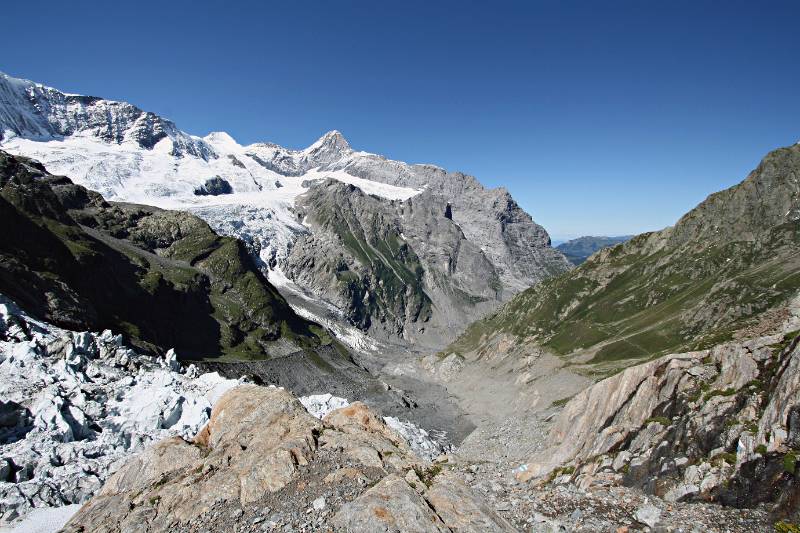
x=714 y=425
x=253 y=193
x=724 y=266
x=162 y=277
x=580 y=249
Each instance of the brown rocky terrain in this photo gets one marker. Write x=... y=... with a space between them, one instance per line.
x=262 y=462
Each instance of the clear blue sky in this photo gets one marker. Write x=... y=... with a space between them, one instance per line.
x=599 y=117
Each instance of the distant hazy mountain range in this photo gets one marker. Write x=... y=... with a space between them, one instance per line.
x=578 y=250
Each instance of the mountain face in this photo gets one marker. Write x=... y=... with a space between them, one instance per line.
x=37 y=112
x=467 y=248
x=580 y=249
x=163 y=277
x=726 y=265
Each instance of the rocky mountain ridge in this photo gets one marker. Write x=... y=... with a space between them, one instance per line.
x=253 y=193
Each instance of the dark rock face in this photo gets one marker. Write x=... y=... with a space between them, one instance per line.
x=73 y=259
x=214 y=187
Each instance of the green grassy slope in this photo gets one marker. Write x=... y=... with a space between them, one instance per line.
x=727 y=261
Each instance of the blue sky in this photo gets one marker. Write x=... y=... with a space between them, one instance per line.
x=599 y=117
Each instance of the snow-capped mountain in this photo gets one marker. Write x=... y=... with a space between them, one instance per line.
x=491 y=249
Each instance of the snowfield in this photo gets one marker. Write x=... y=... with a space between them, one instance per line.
x=260 y=209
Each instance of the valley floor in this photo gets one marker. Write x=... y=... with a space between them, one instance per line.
x=512 y=405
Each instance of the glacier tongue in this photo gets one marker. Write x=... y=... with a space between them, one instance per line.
x=72 y=405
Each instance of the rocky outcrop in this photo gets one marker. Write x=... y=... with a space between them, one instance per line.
x=214 y=187
x=261 y=449
x=715 y=424
x=405 y=270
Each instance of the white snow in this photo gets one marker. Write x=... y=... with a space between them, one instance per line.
x=333 y=319
x=258 y=210
x=320 y=405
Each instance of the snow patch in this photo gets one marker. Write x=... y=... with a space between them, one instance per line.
x=44 y=520
x=320 y=405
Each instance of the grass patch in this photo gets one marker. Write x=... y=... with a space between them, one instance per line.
x=790 y=463
x=562 y=402
x=719 y=392
x=663 y=420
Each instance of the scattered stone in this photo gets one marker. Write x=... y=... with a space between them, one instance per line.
x=648 y=514
x=318 y=504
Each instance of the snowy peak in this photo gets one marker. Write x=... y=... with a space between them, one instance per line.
x=34 y=111
x=222 y=141
x=333 y=141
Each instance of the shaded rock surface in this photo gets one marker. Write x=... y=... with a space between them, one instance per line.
x=214 y=187
x=163 y=278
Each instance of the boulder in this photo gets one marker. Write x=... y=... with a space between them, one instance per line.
x=252 y=445
x=460 y=510
x=390 y=506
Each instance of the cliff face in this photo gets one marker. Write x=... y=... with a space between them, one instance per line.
x=400 y=269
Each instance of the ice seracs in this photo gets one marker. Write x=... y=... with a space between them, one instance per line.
x=73 y=404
